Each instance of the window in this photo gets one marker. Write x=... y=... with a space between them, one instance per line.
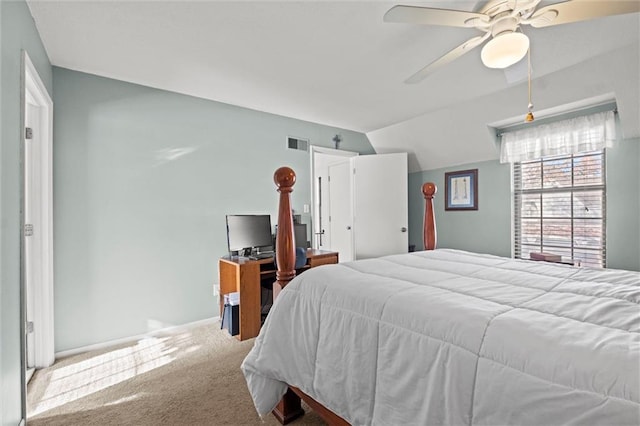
x=559 y=185
x=560 y=207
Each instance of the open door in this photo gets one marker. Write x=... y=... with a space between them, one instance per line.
x=340 y=212
x=37 y=222
x=380 y=205
x=368 y=203
x=31 y=240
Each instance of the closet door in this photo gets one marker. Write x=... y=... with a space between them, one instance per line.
x=380 y=205
x=340 y=210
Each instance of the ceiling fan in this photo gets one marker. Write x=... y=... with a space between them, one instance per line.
x=500 y=20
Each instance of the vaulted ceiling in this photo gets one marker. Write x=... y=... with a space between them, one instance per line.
x=339 y=64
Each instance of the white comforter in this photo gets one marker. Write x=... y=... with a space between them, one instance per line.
x=455 y=338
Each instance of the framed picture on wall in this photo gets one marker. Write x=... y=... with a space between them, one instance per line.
x=461 y=190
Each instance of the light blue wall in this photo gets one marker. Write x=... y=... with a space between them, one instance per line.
x=488 y=230
x=623 y=205
x=143 y=179
x=17 y=32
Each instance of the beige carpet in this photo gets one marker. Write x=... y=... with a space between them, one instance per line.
x=191 y=377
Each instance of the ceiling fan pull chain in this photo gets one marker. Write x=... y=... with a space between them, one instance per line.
x=529 y=117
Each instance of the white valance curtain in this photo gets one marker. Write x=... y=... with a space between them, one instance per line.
x=572 y=136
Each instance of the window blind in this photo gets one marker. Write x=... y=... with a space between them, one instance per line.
x=560 y=207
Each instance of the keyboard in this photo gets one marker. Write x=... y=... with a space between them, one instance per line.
x=261 y=256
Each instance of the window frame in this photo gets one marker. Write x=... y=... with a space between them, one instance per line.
x=518 y=194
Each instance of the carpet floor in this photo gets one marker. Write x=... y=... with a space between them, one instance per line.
x=191 y=377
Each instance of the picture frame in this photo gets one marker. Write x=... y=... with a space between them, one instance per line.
x=461 y=190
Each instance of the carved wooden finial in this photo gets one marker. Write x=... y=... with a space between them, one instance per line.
x=284 y=179
x=429 y=189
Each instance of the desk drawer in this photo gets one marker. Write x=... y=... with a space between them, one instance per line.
x=323 y=260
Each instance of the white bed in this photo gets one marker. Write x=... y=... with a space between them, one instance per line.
x=451 y=337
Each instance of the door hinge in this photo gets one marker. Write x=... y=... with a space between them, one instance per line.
x=28 y=133
x=29 y=327
x=28 y=229
x=354 y=170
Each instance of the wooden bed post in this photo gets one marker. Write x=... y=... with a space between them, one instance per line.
x=284 y=178
x=289 y=407
x=430 y=237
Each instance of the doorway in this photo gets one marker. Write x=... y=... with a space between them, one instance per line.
x=36 y=259
x=321 y=159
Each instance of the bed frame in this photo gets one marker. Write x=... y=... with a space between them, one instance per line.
x=289 y=408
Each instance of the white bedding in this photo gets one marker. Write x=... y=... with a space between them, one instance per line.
x=455 y=338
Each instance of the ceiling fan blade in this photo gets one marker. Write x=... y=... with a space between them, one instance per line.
x=581 y=10
x=432 y=16
x=447 y=58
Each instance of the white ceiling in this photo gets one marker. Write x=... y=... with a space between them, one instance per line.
x=338 y=64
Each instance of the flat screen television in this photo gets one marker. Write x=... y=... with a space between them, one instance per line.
x=249 y=232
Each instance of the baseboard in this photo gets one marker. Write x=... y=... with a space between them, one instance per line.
x=129 y=339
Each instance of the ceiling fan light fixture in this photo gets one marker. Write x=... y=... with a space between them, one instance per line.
x=504 y=50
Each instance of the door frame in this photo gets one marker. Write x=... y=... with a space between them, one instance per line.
x=43 y=294
x=313 y=151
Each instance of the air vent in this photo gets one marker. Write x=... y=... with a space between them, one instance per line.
x=297 y=143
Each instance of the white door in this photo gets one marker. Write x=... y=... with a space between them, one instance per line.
x=340 y=213
x=32 y=217
x=37 y=218
x=380 y=205
x=321 y=159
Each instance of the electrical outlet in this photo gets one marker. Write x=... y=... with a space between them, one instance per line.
x=306 y=208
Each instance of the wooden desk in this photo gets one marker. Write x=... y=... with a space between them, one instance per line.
x=244 y=275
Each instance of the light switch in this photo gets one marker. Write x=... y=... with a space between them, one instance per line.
x=306 y=208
